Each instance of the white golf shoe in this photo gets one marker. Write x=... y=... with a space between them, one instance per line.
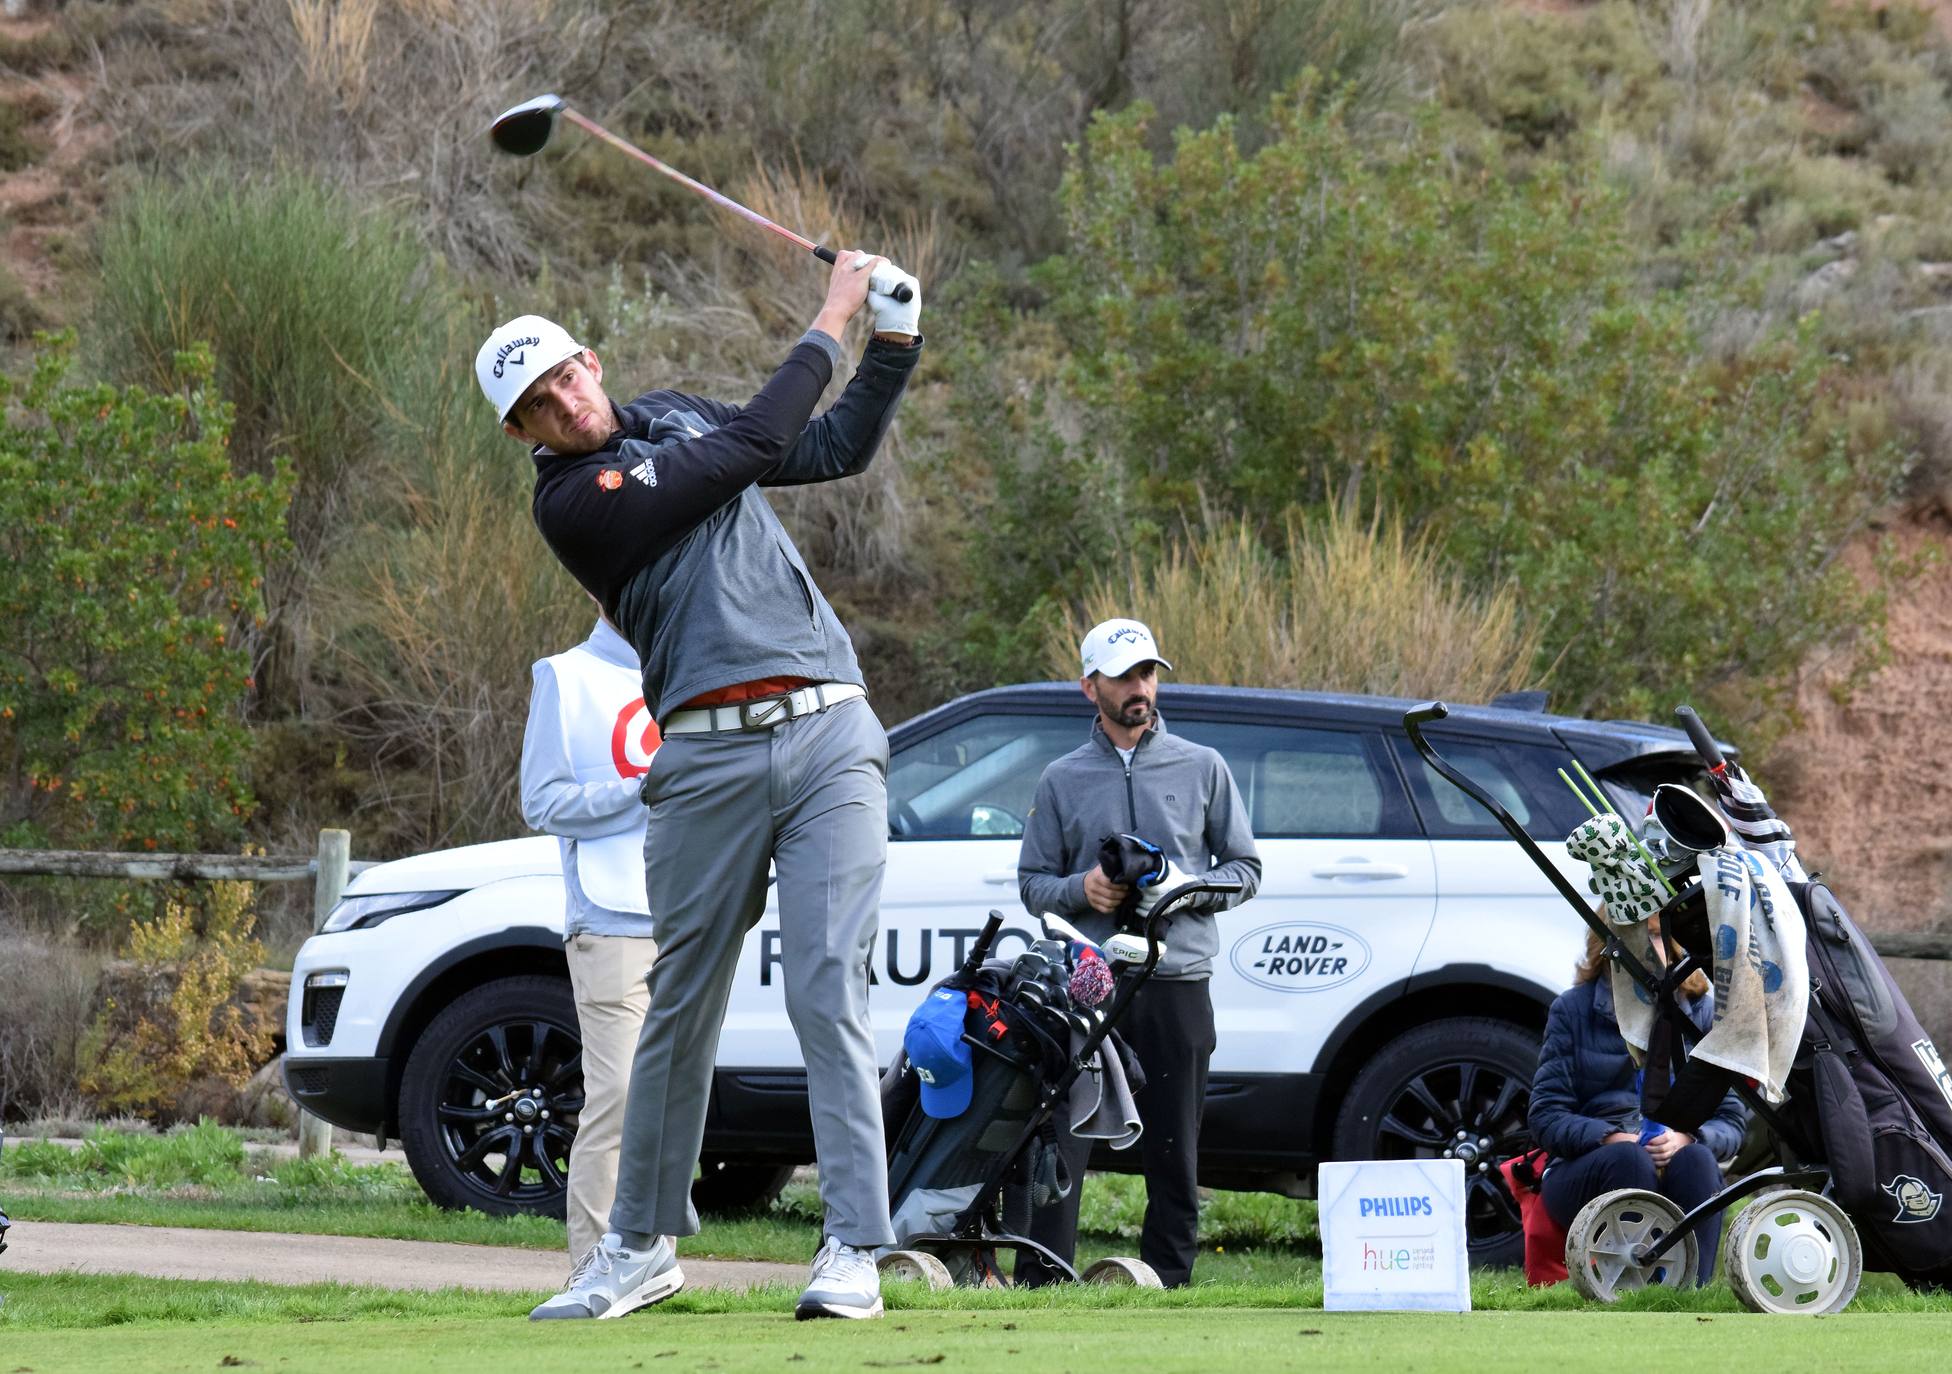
x=845 y=1283
x=610 y=1281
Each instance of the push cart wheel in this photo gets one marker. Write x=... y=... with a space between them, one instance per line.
x=915 y=1265
x=1793 y=1252
x=1602 y=1239
x=1121 y=1271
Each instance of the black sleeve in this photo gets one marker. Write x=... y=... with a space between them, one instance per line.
x=605 y=534
x=843 y=440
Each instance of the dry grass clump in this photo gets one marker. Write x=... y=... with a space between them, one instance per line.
x=1347 y=603
x=46 y=1004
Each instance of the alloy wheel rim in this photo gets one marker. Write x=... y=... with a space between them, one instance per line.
x=508 y=1108
x=1469 y=1111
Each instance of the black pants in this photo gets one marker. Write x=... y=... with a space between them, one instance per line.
x=1170 y=1027
x=1691 y=1178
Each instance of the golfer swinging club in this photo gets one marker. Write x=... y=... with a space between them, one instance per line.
x=771 y=752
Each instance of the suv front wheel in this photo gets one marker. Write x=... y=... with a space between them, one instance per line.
x=490 y=1098
x=1459 y=1089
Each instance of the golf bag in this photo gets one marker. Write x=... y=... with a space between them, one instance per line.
x=938 y=1165
x=1870 y=1087
x=961 y=1187
x=1868 y=1094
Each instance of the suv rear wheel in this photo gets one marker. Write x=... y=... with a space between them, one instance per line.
x=1456 y=1088
x=726 y=1187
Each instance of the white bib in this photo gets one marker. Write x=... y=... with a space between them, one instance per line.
x=608 y=734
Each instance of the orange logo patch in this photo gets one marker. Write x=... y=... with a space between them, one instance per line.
x=609 y=479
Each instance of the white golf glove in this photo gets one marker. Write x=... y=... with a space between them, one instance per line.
x=1150 y=897
x=890 y=315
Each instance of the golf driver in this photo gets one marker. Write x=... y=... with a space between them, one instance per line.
x=524 y=130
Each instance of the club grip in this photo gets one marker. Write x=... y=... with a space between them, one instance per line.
x=981 y=949
x=1704 y=743
x=901 y=291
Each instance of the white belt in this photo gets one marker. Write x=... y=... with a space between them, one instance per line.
x=762 y=713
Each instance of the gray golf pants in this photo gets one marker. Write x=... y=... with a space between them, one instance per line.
x=811 y=796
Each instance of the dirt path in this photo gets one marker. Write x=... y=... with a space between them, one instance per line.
x=173 y=1252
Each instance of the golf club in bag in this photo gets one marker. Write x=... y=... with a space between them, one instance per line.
x=1863 y=1129
x=524 y=130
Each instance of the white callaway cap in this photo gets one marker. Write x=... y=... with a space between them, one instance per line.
x=515 y=355
x=1116 y=647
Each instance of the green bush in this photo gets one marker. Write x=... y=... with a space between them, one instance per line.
x=131 y=559
x=1477 y=351
x=326 y=321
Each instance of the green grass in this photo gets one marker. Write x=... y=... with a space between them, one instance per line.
x=53 y=1324
x=207 y=1176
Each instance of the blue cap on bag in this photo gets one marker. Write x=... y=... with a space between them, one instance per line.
x=941 y=1058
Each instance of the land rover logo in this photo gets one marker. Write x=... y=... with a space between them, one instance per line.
x=1300 y=956
x=1915 y=1201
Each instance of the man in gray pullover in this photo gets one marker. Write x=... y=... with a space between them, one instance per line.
x=1132 y=777
x=770 y=751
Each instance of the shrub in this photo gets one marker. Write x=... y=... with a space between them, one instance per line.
x=131 y=560
x=322 y=317
x=48 y=994
x=1259 y=330
x=177 y=1022
x=1347 y=605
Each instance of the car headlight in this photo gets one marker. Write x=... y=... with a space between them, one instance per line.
x=359 y=913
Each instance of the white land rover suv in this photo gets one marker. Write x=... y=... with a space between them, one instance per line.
x=1381 y=997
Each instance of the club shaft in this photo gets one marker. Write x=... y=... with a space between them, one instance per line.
x=590 y=126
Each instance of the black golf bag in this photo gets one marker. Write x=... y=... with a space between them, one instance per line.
x=1870 y=1086
x=938 y=1167
x=962 y=1188
x=1868 y=1095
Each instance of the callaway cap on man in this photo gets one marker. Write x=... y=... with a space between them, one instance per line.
x=515 y=355
x=1115 y=647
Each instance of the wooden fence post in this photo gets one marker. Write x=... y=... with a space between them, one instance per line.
x=335 y=853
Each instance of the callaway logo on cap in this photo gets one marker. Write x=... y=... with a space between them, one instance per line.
x=1116 y=647
x=516 y=354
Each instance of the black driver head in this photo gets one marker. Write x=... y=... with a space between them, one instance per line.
x=523 y=129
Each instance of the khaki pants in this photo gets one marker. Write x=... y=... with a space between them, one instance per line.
x=608 y=974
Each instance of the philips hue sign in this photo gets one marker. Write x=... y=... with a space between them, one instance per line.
x=1393 y=1236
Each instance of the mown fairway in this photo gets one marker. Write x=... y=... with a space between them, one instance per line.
x=1116 y=1340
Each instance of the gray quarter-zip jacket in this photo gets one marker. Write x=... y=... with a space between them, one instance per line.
x=665 y=525
x=1177 y=794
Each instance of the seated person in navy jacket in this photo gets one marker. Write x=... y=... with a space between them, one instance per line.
x=1586 y=1110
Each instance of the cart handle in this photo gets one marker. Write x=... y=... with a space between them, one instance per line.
x=981 y=949
x=1413 y=721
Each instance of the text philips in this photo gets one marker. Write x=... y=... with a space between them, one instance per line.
x=1396 y=1207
